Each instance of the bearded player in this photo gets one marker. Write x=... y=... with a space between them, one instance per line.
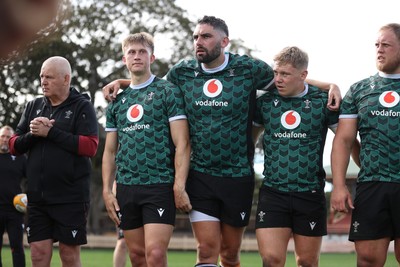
x=371 y=109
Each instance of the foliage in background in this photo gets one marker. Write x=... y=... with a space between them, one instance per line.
x=89 y=34
x=89 y=37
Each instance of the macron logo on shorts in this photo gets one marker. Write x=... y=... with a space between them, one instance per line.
x=312 y=225
x=160 y=211
x=243 y=215
x=74 y=232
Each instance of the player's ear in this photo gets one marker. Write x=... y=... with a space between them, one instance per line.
x=152 y=58
x=67 y=78
x=225 y=41
x=304 y=74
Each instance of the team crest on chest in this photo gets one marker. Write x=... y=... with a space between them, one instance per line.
x=150 y=96
x=68 y=114
x=307 y=102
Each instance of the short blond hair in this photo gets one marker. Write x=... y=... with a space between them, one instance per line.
x=395 y=27
x=143 y=38
x=292 y=55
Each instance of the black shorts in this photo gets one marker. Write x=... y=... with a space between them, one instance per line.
x=376 y=211
x=65 y=223
x=226 y=198
x=143 y=204
x=303 y=212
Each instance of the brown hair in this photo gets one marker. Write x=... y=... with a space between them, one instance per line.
x=143 y=38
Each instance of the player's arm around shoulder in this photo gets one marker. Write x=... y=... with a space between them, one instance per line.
x=334 y=95
x=111 y=89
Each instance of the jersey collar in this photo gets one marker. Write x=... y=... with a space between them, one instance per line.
x=390 y=76
x=142 y=85
x=219 y=68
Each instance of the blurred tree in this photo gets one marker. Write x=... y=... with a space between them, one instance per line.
x=89 y=35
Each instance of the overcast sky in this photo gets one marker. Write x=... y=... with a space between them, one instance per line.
x=339 y=36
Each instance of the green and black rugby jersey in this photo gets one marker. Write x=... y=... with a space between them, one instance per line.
x=220 y=107
x=375 y=103
x=141 y=116
x=294 y=138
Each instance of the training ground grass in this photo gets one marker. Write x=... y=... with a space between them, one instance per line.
x=103 y=258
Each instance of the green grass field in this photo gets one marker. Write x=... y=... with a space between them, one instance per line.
x=103 y=258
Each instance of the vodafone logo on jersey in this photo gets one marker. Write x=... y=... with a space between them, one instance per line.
x=135 y=113
x=389 y=99
x=290 y=119
x=212 y=88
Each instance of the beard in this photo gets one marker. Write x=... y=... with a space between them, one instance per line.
x=389 y=67
x=4 y=149
x=210 y=55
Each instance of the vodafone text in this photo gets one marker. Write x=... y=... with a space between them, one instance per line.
x=290 y=135
x=385 y=113
x=136 y=127
x=212 y=103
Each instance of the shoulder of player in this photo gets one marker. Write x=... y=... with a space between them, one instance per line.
x=245 y=60
x=185 y=63
x=365 y=82
x=163 y=85
x=268 y=94
x=316 y=92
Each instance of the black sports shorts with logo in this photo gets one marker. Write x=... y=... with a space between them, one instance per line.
x=65 y=223
x=143 y=204
x=303 y=212
x=376 y=211
x=227 y=198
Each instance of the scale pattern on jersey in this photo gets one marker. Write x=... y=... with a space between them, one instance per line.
x=294 y=139
x=146 y=151
x=220 y=108
x=376 y=102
